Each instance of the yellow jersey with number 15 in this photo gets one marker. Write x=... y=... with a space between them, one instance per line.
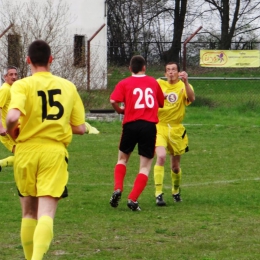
x=48 y=105
x=173 y=111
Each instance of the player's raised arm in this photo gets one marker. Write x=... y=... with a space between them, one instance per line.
x=190 y=93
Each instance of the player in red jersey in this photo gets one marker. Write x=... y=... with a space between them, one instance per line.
x=142 y=97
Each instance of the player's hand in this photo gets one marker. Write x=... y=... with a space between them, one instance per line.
x=122 y=110
x=15 y=132
x=2 y=131
x=183 y=75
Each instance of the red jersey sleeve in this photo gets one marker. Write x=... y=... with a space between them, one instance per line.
x=118 y=94
x=160 y=97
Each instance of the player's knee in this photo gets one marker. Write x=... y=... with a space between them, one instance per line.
x=30 y=213
x=161 y=160
x=176 y=170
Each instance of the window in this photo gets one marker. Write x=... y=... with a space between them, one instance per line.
x=14 y=50
x=79 y=51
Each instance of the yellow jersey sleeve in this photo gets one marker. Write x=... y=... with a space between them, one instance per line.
x=5 y=97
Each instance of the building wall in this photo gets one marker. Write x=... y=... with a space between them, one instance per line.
x=88 y=17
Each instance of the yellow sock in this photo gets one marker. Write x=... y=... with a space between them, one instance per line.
x=9 y=161
x=27 y=230
x=176 y=181
x=158 y=179
x=43 y=235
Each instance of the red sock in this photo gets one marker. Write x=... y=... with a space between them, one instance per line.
x=119 y=175
x=139 y=185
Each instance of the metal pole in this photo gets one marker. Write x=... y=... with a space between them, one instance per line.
x=184 y=47
x=88 y=55
x=5 y=31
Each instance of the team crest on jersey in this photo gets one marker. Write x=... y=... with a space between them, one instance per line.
x=172 y=97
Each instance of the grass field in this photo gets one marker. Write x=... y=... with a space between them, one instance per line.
x=217 y=220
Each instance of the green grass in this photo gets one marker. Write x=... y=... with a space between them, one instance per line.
x=217 y=220
x=219 y=216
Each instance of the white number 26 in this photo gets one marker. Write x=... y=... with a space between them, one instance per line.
x=149 y=100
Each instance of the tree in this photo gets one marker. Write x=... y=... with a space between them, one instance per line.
x=154 y=28
x=238 y=19
x=179 y=10
x=133 y=26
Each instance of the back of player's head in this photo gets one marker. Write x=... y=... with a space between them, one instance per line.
x=137 y=63
x=39 y=52
x=171 y=63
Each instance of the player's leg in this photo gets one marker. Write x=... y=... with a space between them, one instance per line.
x=119 y=175
x=43 y=233
x=160 y=150
x=140 y=182
x=9 y=143
x=43 y=185
x=178 y=145
x=120 y=170
x=159 y=169
x=8 y=161
x=176 y=177
x=29 y=221
x=49 y=191
x=28 y=200
x=126 y=146
x=146 y=136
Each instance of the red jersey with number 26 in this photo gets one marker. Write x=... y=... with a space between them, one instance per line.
x=141 y=95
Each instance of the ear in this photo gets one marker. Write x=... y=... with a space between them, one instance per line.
x=50 y=59
x=28 y=60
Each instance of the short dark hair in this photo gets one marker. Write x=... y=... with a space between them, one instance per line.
x=173 y=62
x=39 y=52
x=136 y=64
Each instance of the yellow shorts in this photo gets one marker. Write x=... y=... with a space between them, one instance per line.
x=41 y=168
x=173 y=138
x=8 y=142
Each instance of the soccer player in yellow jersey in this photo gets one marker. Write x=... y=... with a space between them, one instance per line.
x=49 y=110
x=171 y=134
x=10 y=76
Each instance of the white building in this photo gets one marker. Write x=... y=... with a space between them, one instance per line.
x=86 y=34
x=90 y=26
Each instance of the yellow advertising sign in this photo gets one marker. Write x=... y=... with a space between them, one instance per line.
x=231 y=59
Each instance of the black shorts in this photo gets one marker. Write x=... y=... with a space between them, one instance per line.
x=139 y=132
